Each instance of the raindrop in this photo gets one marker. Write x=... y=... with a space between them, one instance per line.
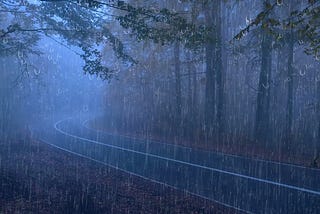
x=36 y=71
x=247 y=21
x=5 y=40
x=20 y=86
x=302 y=72
x=59 y=92
x=23 y=61
x=20 y=54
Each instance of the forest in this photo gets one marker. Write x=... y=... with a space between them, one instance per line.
x=233 y=77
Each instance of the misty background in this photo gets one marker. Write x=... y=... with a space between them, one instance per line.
x=240 y=87
x=159 y=106
x=52 y=86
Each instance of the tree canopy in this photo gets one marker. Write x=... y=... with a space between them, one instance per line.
x=83 y=24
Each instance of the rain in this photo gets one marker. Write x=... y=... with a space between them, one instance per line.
x=130 y=106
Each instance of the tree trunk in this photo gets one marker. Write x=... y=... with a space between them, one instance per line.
x=317 y=149
x=177 y=86
x=195 y=112
x=219 y=68
x=210 y=75
x=289 y=111
x=263 y=97
x=210 y=91
x=190 y=116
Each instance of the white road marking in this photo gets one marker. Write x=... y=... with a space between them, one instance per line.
x=192 y=164
x=210 y=152
x=146 y=178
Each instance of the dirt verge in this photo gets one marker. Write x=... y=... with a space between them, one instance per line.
x=38 y=178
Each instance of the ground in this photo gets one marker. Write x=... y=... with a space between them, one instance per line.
x=38 y=178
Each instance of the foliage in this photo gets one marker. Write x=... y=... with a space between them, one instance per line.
x=306 y=22
x=83 y=24
x=14 y=39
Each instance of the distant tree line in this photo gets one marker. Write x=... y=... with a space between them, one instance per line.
x=213 y=71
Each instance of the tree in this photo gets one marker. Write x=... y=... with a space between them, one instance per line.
x=178 y=95
x=290 y=98
x=317 y=149
x=82 y=24
x=219 y=68
x=18 y=39
x=263 y=96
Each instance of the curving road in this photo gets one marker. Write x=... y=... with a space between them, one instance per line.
x=248 y=185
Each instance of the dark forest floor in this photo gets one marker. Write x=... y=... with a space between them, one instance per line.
x=38 y=178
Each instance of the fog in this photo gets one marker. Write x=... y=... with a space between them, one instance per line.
x=47 y=87
x=160 y=106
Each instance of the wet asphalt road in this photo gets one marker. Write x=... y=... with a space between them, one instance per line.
x=249 y=185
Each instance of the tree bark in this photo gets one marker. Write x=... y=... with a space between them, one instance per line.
x=317 y=149
x=263 y=97
x=219 y=68
x=210 y=91
x=289 y=111
x=195 y=113
x=210 y=73
x=190 y=116
x=177 y=73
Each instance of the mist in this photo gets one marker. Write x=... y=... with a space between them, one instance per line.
x=46 y=87
x=159 y=106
